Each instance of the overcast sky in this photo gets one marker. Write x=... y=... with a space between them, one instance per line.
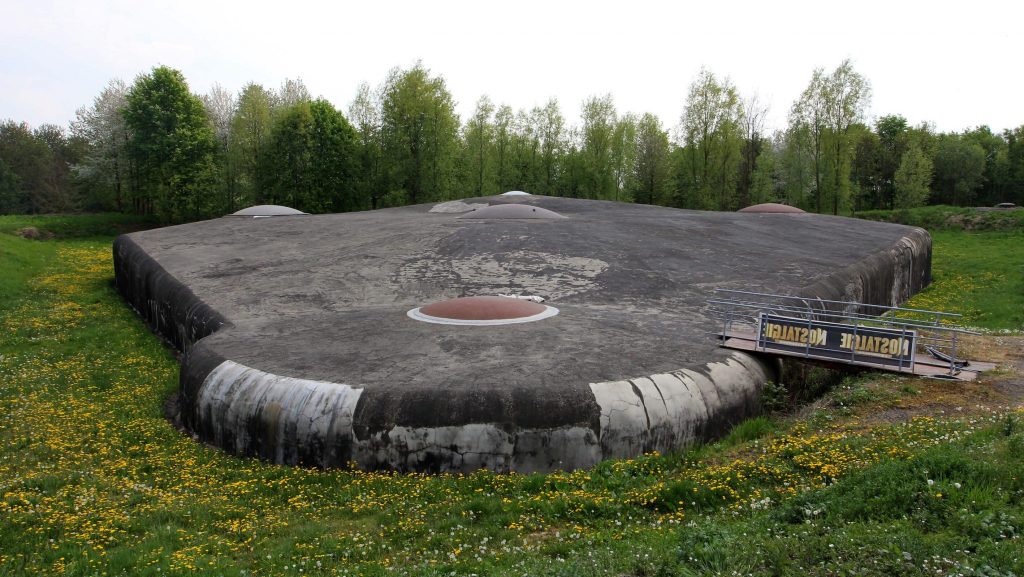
x=954 y=64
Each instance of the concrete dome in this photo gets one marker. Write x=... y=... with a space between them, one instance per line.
x=512 y=211
x=515 y=193
x=267 y=210
x=771 y=207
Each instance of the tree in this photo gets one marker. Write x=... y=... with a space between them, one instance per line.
x=478 y=136
x=171 y=145
x=597 y=135
x=846 y=97
x=311 y=158
x=551 y=129
x=807 y=121
x=104 y=171
x=959 y=169
x=798 y=165
x=892 y=131
x=503 y=134
x=624 y=155
x=652 y=176
x=865 y=171
x=10 y=189
x=754 y=114
x=825 y=111
x=220 y=108
x=995 y=149
x=913 y=178
x=710 y=133
x=37 y=168
x=1012 y=188
x=526 y=147
x=419 y=135
x=365 y=114
x=55 y=193
x=764 y=182
x=250 y=130
x=290 y=93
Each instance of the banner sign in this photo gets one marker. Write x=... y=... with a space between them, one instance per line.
x=890 y=347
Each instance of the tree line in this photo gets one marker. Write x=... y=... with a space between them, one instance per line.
x=155 y=148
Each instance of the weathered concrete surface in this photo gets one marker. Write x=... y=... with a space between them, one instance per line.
x=299 y=349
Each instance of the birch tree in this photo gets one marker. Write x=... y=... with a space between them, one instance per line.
x=104 y=170
x=710 y=132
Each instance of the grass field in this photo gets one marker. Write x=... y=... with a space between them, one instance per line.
x=881 y=476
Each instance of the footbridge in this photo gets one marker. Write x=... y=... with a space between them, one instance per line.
x=843 y=333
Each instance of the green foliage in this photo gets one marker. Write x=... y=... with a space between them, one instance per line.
x=250 y=132
x=912 y=179
x=751 y=429
x=774 y=397
x=953 y=218
x=596 y=147
x=309 y=162
x=182 y=161
x=824 y=115
x=35 y=169
x=652 y=176
x=172 y=147
x=81 y=226
x=959 y=169
x=419 y=130
x=710 y=128
x=104 y=173
x=480 y=177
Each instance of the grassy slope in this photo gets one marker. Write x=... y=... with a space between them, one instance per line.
x=978 y=266
x=93 y=479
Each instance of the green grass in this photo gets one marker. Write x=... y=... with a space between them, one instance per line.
x=78 y=227
x=958 y=218
x=977 y=275
x=94 y=481
x=977 y=263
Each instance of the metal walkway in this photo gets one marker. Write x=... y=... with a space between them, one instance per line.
x=896 y=339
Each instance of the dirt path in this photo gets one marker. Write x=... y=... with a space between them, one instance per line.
x=996 y=390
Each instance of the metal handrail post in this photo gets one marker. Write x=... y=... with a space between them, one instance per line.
x=952 y=357
x=853 y=345
x=903 y=342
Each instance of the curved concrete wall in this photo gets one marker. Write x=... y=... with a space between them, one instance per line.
x=888 y=277
x=298 y=421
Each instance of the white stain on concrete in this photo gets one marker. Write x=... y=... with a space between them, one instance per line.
x=667 y=411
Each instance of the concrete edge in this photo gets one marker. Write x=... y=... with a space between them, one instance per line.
x=887 y=277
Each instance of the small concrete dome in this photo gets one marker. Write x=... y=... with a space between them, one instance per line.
x=482 y=310
x=771 y=207
x=512 y=211
x=267 y=210
x=515 y=193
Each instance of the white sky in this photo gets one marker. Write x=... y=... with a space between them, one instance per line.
x=955 y=64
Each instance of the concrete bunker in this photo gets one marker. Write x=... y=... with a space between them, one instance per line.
x=299 y=347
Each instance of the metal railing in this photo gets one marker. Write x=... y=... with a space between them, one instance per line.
x=739 y=314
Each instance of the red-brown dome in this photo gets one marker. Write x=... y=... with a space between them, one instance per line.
x=483 y=310
x=771 y=207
